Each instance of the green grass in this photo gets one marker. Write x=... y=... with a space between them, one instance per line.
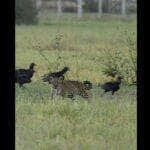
x=106 y=123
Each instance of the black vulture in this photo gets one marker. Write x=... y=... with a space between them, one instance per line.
x=45 y=78
x=23 y=76
x=112 y=86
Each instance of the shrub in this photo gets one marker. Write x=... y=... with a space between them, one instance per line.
x=122 y=61
x=90 y=6
x=69 y=6
x=26 y=12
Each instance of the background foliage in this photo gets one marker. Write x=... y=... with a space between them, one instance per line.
x=26 y=12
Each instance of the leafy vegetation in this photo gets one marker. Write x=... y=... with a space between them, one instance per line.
x=26 y=12
x=127 y=59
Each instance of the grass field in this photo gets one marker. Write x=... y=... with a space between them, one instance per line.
x=106 y=123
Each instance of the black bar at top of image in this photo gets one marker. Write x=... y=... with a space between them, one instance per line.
x=140 y=75
x=7 y=63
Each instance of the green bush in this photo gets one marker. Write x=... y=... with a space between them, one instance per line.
x=90 y=6
x=26 y=12
x=69 y=6
x=122 y=61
